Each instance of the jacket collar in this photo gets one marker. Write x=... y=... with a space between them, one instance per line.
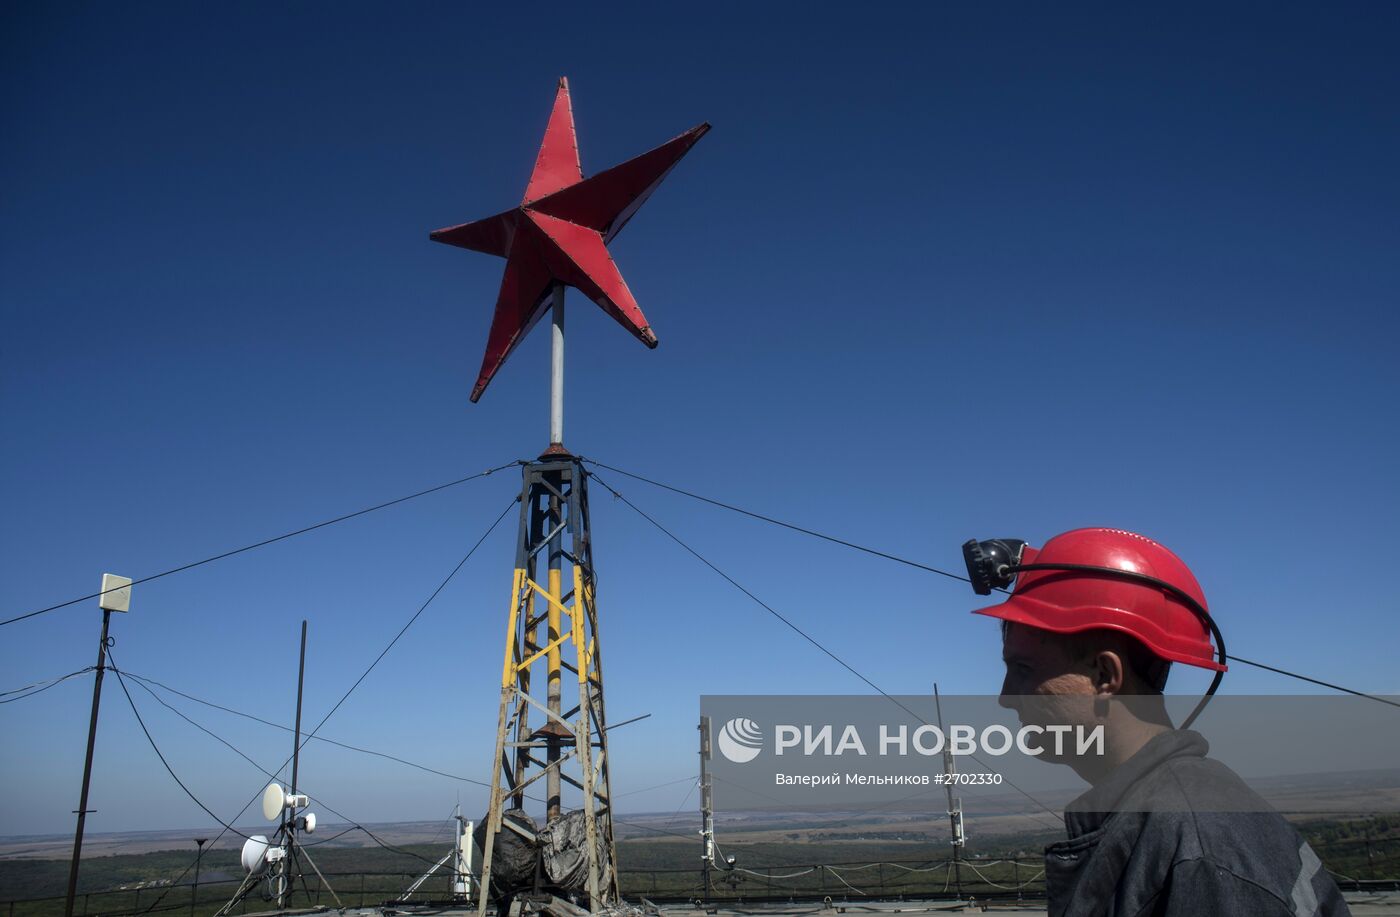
x=1089 y=811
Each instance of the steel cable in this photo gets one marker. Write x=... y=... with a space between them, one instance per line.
x=41 y=686
x=416 y=614
x=265 y=542
x=798 y=630
x=156 y=748
x=912 y=563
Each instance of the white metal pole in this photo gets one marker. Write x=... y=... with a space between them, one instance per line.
x=556 y=374
x=465 y=850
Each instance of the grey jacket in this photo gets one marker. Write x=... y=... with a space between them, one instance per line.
x=1172 y=833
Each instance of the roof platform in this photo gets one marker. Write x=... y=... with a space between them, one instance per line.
x=1362 y=904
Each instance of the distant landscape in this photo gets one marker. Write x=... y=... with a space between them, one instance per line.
x=854 y=854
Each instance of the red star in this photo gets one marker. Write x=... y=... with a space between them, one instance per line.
x=559 y=234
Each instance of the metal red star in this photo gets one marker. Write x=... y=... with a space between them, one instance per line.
x=559 y=234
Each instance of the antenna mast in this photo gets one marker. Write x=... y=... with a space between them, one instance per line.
x=285 y=857
x=707 y=811
x=955 y=815
x=289 y=814
x=115 y=596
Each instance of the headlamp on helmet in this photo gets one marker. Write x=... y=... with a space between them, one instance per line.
x=989 y=563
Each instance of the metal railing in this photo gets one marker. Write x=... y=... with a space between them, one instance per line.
x=1006 y=879
x=839 y=881
x=357 y=889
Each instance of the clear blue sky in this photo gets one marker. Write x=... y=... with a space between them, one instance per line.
x=935 y=274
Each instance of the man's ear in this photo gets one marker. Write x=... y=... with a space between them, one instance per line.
x=1108 y=673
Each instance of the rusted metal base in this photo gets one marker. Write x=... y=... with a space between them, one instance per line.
x=555 y=452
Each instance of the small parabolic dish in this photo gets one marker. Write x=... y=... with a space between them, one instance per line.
x=274 y=801
x=255 y=854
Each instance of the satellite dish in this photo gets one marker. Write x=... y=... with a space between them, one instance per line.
x=274 y=801
x=308 y=823
x=255 y=855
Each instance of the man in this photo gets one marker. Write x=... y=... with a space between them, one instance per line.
x=1088 y=638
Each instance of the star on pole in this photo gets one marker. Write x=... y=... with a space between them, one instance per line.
x=559 y=235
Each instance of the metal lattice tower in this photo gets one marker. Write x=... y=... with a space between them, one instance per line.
x=551 y=724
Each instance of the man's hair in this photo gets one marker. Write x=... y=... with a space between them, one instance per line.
x=1146 y=670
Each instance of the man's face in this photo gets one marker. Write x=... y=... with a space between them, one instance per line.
x=1045 y=684
x=1038 y=663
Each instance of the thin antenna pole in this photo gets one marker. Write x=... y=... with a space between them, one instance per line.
x=87 y=765
x=461 y=858
x=556 y=371
x=707 y=811
x=289 y=815
x=198 y=859
x=301 y=675
x=955 y=820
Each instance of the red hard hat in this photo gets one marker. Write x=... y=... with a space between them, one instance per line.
x=1069 y=601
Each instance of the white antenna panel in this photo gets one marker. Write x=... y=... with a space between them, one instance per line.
x=274 y=801
x=116 y=593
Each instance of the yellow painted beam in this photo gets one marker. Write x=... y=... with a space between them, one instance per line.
x=551 y=649
x=507 y=669
x=544 y=593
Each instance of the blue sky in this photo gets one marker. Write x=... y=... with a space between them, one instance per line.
x=939 y=273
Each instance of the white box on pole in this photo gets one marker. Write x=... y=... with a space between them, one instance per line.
x=116 y=593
